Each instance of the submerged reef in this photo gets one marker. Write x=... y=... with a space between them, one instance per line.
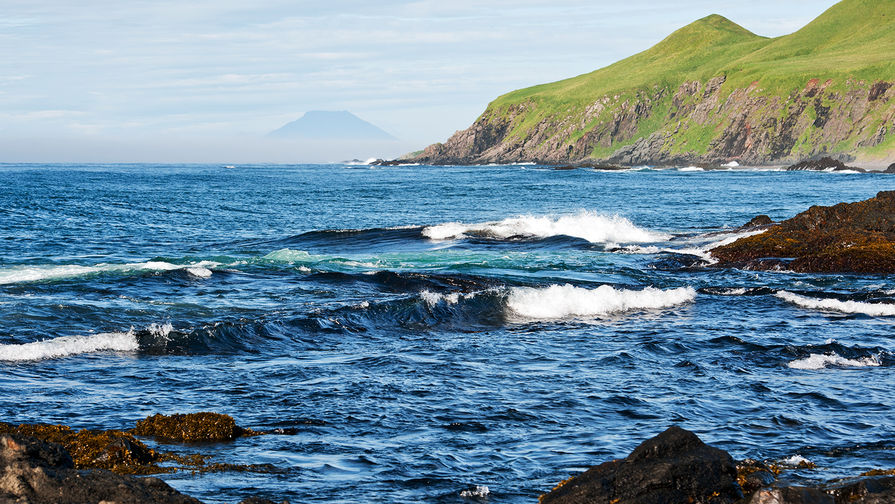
x=677 y=467
x=845 y=238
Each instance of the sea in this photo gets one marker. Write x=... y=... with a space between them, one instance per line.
x=436 y=334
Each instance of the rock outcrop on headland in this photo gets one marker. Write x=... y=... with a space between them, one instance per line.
x=845 y=238
x=677 y=467
x=710 y=93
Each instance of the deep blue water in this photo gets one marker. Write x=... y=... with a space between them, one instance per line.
x=430 y=329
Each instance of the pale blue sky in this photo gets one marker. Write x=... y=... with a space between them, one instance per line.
x=181 y=81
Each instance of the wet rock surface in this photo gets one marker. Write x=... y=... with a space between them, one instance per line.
x=845 y=238
x=823 y=164
x=192 y=427
x=38 y=472
x=677 y=467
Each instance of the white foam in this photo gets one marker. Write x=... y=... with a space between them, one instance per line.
x=591 y=226
x=732 y=291
x=479 y=492
x=821 y=361
x=433 y=298
x=199 y=272
x=872 y=309
x=22 y=274
x=568 y=301
x=732 y=164
x=70 y=345
x=691 y=169
x=796 y=461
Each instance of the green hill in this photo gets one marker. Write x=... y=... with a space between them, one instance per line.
x=711 y=91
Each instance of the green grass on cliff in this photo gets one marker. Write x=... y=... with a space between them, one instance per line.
x=854 y=39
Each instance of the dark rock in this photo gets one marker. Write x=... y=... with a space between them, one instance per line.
x=848 y=237
x=890 y=169
x=758 y=221
x=791 y=495
x=822 y=164
x=675 y=466
x=753 y=475
x=38 y=472
x=866 y=491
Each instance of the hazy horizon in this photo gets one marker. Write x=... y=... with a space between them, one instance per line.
x=165 y=82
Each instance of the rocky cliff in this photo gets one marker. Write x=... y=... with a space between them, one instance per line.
x=711 y=92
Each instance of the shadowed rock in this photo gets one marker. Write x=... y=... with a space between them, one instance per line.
x=823 y=164
x=675 y=466
x=38 y=472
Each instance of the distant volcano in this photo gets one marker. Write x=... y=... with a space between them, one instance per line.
x=330 y=125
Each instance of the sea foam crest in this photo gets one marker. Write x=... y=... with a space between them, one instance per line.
x=568 y=301
x=591 y=226
x=872 y=309
x=70 y=345
x=821 y=361
x=21 y=274
x=433 y=298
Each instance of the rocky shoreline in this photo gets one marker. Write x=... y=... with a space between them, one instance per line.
x=49 y=464
x=823 y=163
x=44 y=464
x=677 y=467
x=845 y=238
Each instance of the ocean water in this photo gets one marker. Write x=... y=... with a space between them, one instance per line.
x=436 y=334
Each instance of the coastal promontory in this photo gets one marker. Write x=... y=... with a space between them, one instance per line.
x=711 y=92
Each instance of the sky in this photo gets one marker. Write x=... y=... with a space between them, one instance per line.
x=205 y=80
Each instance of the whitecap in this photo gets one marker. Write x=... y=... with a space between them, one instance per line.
x=796 y=461
x=872 y=309
x=70 y=345
x=591 y=226
x=691 y=169
x=23 y=274
x=199 y=272
x=732 y=164
x=433 y=298
x=478 y=492
x=821 y=361
x=568 y=301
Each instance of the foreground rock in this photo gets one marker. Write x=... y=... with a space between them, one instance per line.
x=191 y=427
x=38 y=472
x=844 y=238
x=677 y=467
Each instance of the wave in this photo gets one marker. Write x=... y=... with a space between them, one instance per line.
x=568 y=301
x=691 y=169
x=590 y=226
x=65 y=346
x=26 y=274
x=872 y=309
x=821 y=361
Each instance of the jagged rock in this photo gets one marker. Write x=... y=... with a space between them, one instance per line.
x=675 y=466
x=848 y=237
x=791 y=495
x=890 y=169
x=38 y=472
x=822 y=164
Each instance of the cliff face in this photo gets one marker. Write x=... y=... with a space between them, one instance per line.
x=711 y=92
x=695 y=122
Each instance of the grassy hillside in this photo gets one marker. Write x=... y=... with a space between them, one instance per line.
x=850 y=46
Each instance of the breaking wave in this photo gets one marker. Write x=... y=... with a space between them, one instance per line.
x=872 y=309
x=590 y=226
x=821 y=361
x=565 y=301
